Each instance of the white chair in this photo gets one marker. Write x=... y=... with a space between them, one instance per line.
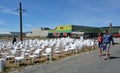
x=20 y=58
x=57 y=50
x=66 y=50
x=35 y=55
x=48 y=52
x=12 y=52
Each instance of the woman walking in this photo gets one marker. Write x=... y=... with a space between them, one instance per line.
x=100 y=40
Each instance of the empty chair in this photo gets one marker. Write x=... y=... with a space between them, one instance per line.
x=20 y=58
x=57 y=50
x=72 y=48
x=36 y=54
x=66 y=50
x=12 y=52
x=48 y=52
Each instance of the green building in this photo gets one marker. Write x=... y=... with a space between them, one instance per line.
x=115 y=29
x=77 y=31
x=73 y=31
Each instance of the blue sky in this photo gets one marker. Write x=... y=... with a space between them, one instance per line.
x=51 y=13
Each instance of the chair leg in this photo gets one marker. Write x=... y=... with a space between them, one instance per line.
x=17 y=63
x=46 y=57
x=50 y=56
x=76 y=51
x=32 y=60
x=23 y=61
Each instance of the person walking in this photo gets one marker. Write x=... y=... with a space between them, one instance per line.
x=100 y=40
x=14 y=40
x=107 y=40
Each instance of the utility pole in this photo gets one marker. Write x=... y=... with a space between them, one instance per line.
x=21 y=22
x=20 y=10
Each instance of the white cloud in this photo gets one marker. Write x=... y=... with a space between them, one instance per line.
x=6 y=10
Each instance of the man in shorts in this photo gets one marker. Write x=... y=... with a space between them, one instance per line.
x=107 y=39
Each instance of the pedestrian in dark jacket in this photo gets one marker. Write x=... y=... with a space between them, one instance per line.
x=107 y=40
x=14 y=40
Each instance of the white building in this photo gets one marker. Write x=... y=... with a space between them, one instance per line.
x=28 y=34
x=42 y=32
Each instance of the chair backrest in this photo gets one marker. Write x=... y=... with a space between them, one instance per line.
x=23 y=52
x=37 y=51
x=73 y=46
x=3 y=45
x=13 y=52
x=48 y=50
x=21 y=46
x=92 y=43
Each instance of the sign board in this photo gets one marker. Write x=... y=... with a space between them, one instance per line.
x=61 y=29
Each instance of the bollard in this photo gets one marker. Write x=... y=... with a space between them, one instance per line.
x=2 y=61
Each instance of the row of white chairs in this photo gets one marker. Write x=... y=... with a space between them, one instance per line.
x=41 y=47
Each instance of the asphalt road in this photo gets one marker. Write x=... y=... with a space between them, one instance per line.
x=82 y=63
